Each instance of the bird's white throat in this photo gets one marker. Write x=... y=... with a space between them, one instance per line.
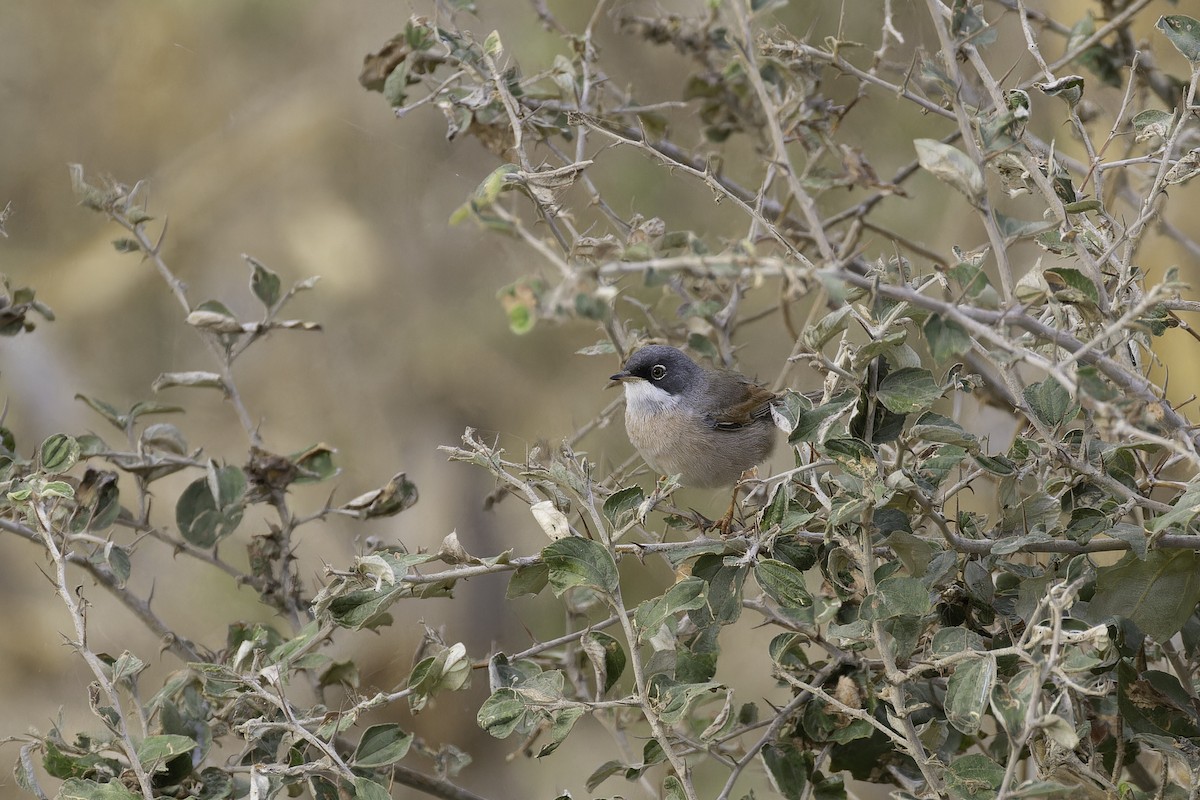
x=644 y=399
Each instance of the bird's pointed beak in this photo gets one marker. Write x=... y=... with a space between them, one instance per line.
x=618 y=379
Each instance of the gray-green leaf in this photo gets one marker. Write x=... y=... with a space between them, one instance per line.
x=783 y=583
x=947 y=339
x=974 y=776
x=1050 y=402
x=575 y=561
x=381 y=745
x=950 y=165
x=1158 y=594
x=1183 y=32
x=968 y=693
x=263 y=282
x=907 y=390
x=153 y=749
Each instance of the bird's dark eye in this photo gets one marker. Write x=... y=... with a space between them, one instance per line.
x=658 y=372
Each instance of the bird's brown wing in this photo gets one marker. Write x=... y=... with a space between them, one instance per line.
x=753 y=406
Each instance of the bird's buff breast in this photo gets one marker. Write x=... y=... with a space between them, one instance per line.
x=669 y=440
x=650 y=424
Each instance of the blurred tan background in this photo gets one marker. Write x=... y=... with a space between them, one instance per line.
x=249 y=124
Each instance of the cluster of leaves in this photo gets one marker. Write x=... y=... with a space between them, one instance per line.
x=943 y=648
x=943 y=645
x=86 y=502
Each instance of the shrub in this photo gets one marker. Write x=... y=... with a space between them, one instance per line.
x=932 y=570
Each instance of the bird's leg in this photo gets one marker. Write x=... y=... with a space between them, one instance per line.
x=727 y=521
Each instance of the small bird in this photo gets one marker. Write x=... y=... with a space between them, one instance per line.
x=706 y=425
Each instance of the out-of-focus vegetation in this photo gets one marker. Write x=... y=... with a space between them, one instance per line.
x=967 y=227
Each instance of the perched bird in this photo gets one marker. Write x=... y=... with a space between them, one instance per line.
x=706 y=425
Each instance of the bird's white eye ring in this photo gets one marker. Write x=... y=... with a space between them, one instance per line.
x=658 y=372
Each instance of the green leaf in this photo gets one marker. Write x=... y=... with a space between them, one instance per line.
x=80 y=789
x=915 y=554
x=361 y=608
x=787 y=409
x=492 y=45
x=974 y=282
x=603 y=772
x=788 y=767
x=126 y=667
x=950 y=165
x=1152 y=122
x=495 y=183
x=165 y=437
x=997 y=465
x=1155 y=703
x=688 y=594
x=1037 y=510
x=1012 y=699
x=947 y=339
x=1133 y=535
x=205 y=519
x=671 y=699
x=724 y=591
x=1068 y=87
x=396 y=85
x=900 y=596
x=973 y=777
x=367 y=789
x=1184 y=509
x=263 y=282
x=783 y=583
x=1095 y=384
x=315 y=463
x=118 y=561
x=529 y=579
x=501 y=713
x=398 y=494
x=951 y=641
x=1016 y=228
x=814 y=424
x=58 y=453
x=146 y=407
x=1158 y=594
x=622 y=503
x=854 y=454
x=561 y=722
x=827 y=327
x=381 y=745
x=575 y=561
x=908 y=390
x=607 y=656
x=521 y=319
x=154 y=749
x=969 y=692
x=1072 y=286
x=1183 y=32
x=448 y=670
x=337 y=673
x=71 y=765
x=1050 y=402
x=56 y=489
x=931 y=427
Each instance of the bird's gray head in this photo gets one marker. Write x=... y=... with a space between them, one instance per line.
x=665 y=368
